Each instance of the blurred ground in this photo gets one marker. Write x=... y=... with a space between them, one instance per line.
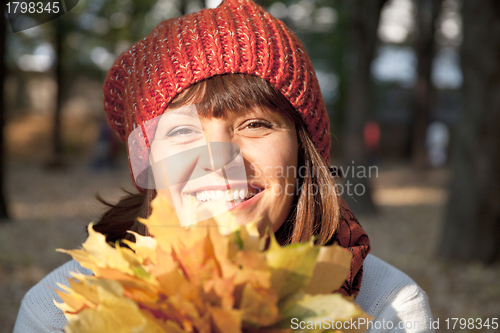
x=406 y=234
x=51 y=210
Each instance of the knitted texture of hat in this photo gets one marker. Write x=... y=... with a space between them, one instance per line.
x=236 y=37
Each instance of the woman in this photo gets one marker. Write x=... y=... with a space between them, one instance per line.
x=224 y=105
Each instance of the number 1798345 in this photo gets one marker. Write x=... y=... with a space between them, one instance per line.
x=471 y=323
x=32 y=7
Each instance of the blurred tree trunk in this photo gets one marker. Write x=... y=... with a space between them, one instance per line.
x=3 y=70
x=183 y=6
x=363 y=17
x=56 y=159
x=472 y=224
x=423 y=92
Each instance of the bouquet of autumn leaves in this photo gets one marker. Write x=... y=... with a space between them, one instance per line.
x=204 y=279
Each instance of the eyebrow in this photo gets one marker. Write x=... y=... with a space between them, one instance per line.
x=188 y=111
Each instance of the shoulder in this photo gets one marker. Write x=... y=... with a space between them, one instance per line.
x=388 y=294
x=38 y=312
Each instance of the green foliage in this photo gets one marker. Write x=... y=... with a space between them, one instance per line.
x=326 y=45
x=94 y=32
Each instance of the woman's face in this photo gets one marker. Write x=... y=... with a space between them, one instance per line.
x=245 y=162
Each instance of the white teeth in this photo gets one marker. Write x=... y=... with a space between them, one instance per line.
x=228 y=195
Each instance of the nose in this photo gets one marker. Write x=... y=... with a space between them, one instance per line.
x=218 y=155
x=220 y=150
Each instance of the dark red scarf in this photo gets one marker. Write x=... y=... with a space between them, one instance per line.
x=351 y=235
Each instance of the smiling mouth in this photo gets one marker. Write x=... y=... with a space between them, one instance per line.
x=236 y=195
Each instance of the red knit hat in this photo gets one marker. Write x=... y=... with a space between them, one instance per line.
x=236 y=37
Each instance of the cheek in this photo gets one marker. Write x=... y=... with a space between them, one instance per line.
x=281 y=151
x=164 y=190
x=274 y=161
x=284 y=158
x=173 y=169
x=277 y=166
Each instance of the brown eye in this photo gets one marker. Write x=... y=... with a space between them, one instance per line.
x=258 y=124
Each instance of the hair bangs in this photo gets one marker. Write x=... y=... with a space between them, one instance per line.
x=226 y=94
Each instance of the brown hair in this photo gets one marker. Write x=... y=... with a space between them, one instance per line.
x=316 y=208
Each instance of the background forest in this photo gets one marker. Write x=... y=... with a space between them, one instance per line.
x=412 y=90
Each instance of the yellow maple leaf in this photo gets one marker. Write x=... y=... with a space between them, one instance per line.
x=215 y=276
x=291 y=266
x=96 y=253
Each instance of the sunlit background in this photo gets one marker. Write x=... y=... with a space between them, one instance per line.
x=398 y=114
x=96 y=31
